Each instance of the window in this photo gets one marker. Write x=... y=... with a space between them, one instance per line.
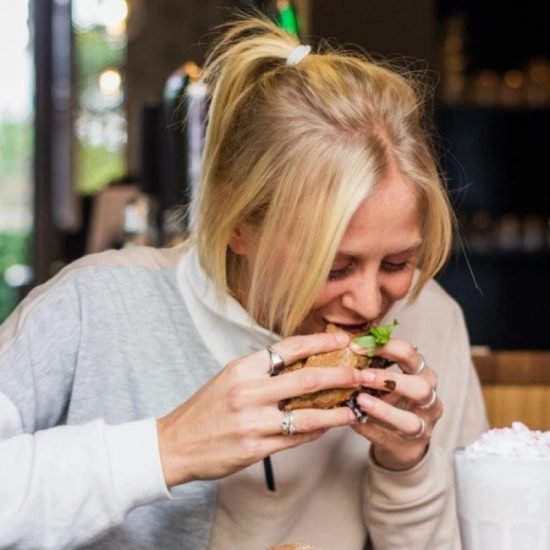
x=99 y=28
x=16 y=149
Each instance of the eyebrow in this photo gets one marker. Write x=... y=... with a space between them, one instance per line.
x=411 y=248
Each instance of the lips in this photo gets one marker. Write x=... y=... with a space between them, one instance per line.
x=353 y=328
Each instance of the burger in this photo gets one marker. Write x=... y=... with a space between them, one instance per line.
x=339 y=397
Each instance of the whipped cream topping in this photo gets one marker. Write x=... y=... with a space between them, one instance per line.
x=517 y=441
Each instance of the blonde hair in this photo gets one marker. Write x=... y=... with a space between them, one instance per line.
x=293 y=151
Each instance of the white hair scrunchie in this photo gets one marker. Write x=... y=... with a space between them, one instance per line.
x=297 y=54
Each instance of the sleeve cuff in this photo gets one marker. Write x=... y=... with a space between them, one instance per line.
x=135 y=463
x=396 y=488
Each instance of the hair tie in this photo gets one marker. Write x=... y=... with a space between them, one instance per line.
x=297 y=54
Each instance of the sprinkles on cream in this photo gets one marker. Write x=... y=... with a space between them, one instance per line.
x=516 y=441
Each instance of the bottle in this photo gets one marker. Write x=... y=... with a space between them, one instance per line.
x=287 y=18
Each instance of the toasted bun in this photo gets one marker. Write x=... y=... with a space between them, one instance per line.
x=327 y=399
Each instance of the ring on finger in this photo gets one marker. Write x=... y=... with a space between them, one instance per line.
x=276 y=362
x=421 y=365
x=431 y=401
x=287 y=423
x=420 y=432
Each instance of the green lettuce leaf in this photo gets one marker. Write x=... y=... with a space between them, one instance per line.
x=376 y=336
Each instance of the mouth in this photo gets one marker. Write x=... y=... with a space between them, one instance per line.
x=356 y=328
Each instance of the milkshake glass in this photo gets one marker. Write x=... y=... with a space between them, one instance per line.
x=503 y=490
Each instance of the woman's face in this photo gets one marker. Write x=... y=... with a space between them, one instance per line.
x=374 y=265
x=375 y=262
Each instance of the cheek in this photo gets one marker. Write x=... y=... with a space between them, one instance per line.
x=328 y=294
x=396 y=285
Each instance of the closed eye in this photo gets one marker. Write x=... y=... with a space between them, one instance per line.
x=341 y=273
x=388 y=267
x=391 y=267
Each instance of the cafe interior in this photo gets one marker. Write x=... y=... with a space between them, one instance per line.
x=102 y=118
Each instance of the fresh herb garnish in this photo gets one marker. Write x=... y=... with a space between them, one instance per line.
x=376 y=336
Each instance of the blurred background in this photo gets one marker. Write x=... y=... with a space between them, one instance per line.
x=95 y=153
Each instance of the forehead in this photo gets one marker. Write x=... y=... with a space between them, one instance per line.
x=386 y=221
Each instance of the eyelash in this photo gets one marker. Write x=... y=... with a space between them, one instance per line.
x=340 y=274
x=394 y=268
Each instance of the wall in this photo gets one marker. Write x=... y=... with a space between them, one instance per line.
x=387 y=27
x=162 y=34
x=516 y=386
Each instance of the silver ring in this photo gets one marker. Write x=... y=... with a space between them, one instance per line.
x=276 y=362
x=420 y=431
x=421 y=365
x=431 y=401
x=287 y=423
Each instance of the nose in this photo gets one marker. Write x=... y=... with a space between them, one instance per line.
x=363 y=297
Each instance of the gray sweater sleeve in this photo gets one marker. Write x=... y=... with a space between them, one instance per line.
x=61 y=486
x=38 y=354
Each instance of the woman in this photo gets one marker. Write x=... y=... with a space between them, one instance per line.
x=137 y=404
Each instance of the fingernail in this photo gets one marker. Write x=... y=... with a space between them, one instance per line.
x=366 y=341
x=356 y=348
x=368 y=376
x=365 y=401
x=341 y=338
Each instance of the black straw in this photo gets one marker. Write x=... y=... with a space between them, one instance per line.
x=269 y=477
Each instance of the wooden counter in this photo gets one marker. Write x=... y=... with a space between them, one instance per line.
x=516 y=386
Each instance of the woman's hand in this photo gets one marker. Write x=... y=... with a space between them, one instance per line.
x=234 y=420
x=400 y=421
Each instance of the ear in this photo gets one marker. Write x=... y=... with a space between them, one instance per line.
x=240 y=240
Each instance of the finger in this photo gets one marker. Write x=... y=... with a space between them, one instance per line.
x=416 y=388
x=270 y=391
x=429 y=403
x=379 y=433
x=434 y=411
x=300 y=347
x=405 y=422
x=278 y=443
x=258 y=364
x=307 y=380
x=391 y=398
x=389 y=448
x=311 y=420
x=399 y=351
